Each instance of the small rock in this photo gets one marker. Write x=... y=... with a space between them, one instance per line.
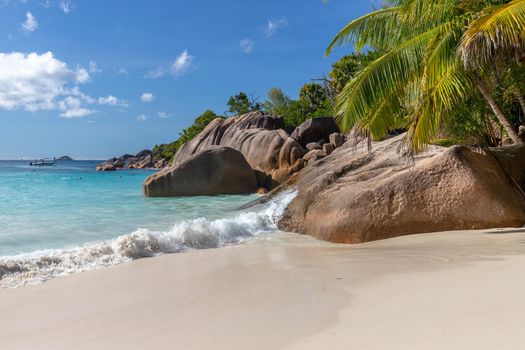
x=315 y=153
x=337 y=139
x=328 y=148
x=313 y=146
x=261 y=191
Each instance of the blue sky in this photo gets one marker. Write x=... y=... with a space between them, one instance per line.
x=99 y=78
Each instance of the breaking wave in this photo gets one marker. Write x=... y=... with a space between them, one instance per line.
x=202 y=233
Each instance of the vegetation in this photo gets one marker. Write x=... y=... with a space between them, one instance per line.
x=168 y=151
x=441 y=65
x=241 y=104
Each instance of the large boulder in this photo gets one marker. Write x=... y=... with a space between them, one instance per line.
x=355 y=196
x=106 y=166
x=217 y=170
x=315 y=129
x=256 y=135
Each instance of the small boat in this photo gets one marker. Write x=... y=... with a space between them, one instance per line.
x=43 y=162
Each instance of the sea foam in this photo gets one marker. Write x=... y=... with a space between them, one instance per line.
x=201 y=233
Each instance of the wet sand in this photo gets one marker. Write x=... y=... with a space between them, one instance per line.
x=454 y=290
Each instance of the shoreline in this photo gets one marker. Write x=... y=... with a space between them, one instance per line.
x=452 y=290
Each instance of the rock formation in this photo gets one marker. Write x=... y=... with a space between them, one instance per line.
x=314 y=130
x=145 y=159
x=217 y=170
x=355 y=195
x=258 y=136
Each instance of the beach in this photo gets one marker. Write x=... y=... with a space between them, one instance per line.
x=452 y=290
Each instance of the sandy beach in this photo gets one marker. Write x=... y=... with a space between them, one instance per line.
x=454 y=290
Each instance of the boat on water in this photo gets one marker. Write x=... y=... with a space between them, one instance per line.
x=43 y=162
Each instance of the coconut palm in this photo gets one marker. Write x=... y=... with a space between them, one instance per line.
x=422 y=76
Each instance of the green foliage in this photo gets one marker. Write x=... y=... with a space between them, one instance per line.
x=168 y=150
x=421 y=79
x=241 y=104
x=346 y=68
x=198 y=125
x=313 y=102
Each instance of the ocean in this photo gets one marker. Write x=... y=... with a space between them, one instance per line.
x=69 y=218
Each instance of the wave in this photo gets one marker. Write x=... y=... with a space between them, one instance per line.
x=202 y=233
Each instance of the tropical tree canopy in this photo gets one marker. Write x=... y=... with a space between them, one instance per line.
x=425 y=69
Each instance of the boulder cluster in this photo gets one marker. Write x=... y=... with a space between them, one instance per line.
x=261 y=139
x=145 y=159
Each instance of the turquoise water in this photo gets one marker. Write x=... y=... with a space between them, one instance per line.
x=67 y=218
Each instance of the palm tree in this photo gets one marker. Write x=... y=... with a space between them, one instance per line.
x=422 y=75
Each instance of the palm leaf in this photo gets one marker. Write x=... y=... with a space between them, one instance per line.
x=502 y=27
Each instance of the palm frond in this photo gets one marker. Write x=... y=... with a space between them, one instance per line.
x=382 y=77
x=501 y=27
x=375 y=29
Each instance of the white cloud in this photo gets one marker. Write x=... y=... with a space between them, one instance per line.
x=71 y=107
x=30 y=24
x=246 y=45
x=147 y=97
x=65 y=6
x=112 y=101
x=93 y=68
x=164 y=115
x=182 y=64
x=36 y=82
x=156 y=73
x=141 y=118
x=274 y=25
x=123 y=71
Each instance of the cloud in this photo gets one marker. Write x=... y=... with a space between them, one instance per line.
x=30 y=24
x=141 y=118
x=65 y=6
x=93 y=68
x=182 y=64
x=147 y=97
x=36 y=82
x=246 y=45
x=156 y=73
x=164 y=115
x=123 y=71
x=71 y=107
x=112 y=101
x=274 y=25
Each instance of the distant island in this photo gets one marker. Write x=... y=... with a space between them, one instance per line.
x=65 y=158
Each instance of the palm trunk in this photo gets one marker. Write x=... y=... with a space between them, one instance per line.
x=498 y=112
x=521 y=99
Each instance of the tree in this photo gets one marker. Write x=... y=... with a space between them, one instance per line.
x=241 y=104
x=198 y=125
x=421 y=76
x=277 y=102
x=346 y=68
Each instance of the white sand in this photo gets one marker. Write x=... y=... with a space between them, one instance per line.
x=456 y=290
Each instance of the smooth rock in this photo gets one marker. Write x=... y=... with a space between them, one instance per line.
x=337 y=139
x=106 y=166
x=314 y=153
x=360 y=196
x=328 y=148
x=290 y=148
x=313 y=146
x=218 y=170
x=296 y=154
x=256 y=135
x=299 y=165
x=315 y=129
